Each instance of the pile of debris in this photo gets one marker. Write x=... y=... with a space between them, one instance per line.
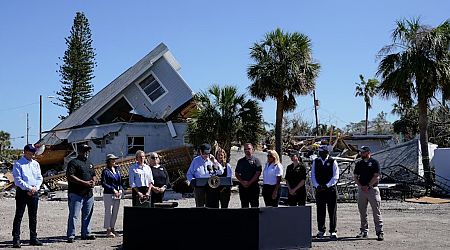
x=176 y=161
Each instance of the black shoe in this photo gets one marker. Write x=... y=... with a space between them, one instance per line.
x=36 y=242
x=88 y=237
x=16 y=244
x=70 y=240
x=380 y=237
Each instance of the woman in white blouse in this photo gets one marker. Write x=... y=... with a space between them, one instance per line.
x=272 y=174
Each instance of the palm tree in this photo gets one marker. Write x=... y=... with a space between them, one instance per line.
x=283 y=69
x=416 y=66
x=225 y=116
x=367 y=90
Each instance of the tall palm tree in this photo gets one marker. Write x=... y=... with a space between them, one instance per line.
x=367 y=90
x=283 y=69
x=417 y=66
x=225 y=116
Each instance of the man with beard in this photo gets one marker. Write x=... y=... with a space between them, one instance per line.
x=81 y=178
x=367 y=174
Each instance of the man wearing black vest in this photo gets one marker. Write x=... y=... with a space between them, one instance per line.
x=324 y=176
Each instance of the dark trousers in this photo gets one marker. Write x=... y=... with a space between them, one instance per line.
x=224 y=196
x=299 y=199
x=135 y=197
x=24 y=200
x=212 y=197
x=249 y=195
x=324 y=198
x=267 y=192
x=156 y=198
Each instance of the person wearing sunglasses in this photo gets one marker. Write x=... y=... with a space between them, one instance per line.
x=272 y=174
x=160 y=178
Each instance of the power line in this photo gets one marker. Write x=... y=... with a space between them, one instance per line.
x=18 y=107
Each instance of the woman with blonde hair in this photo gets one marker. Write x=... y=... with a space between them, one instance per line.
x=225 y=192
x=272 y=174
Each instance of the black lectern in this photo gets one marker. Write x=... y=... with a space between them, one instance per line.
x=212 y=228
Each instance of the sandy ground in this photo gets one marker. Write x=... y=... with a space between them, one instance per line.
x=407 y=226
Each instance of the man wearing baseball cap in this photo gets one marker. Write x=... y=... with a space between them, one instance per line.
x=204 y=166
x=28 y=180
x=324 y=177
x=367 y=174
x=81 y=178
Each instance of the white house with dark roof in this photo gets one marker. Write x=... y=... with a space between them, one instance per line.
x=143 y=108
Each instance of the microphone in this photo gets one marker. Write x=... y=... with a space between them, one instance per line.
x=209 y=168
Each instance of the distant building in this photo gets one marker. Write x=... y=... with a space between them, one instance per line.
x=145 y=108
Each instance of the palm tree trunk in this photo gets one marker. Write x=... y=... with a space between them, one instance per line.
x=367 y=116
x=278 y=126
x=423 y=129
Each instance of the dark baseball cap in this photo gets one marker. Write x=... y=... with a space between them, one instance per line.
x=323 y=148
x=205 y=147
x=30 y=148
x=294 y=152
x=365 y=149
x=84 y=147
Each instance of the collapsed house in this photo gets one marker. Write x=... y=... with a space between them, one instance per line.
x=144 y=108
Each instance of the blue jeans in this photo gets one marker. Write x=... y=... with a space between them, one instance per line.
x=86 y=205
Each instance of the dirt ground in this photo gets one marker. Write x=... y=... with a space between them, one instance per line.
x=407 y=226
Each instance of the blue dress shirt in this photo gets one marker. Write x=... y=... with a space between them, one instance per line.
x=27 y=174
x=199 y=168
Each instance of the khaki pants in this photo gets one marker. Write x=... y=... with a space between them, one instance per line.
x=111 y=210
x=373 y=197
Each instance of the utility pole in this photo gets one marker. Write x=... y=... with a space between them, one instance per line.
x=28 y=127
x=40 y=117
x=316 y=104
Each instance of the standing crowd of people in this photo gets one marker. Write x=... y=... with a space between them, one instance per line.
x=149 y=182
x=324 y=178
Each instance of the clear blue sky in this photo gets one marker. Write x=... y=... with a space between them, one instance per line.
x=211 y=41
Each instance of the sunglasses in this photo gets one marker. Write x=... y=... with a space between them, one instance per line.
x=154 y=157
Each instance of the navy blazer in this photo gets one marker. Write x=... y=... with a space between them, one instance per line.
x=110 y=181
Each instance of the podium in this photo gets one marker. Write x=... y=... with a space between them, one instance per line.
x=213 y=228
x=203 y=182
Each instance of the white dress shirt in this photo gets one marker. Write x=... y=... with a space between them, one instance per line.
x=271 y=172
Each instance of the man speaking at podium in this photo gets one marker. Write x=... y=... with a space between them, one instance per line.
x=204 y=166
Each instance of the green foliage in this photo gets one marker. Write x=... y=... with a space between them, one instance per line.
x=225 y=116
x=7 y=155
x=438 y=124
x=283 y=69
x=417 y=66
x=77 y=69
x=367 y=90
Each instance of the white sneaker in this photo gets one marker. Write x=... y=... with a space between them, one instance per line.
x=333 y=236
x=320 y=235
